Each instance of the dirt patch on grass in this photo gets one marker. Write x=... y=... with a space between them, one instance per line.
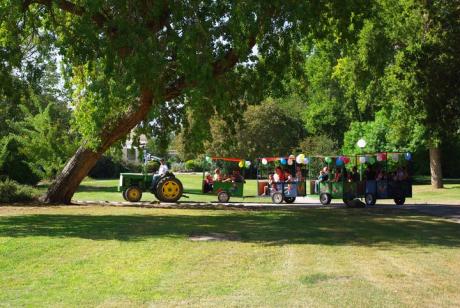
x=214 y=237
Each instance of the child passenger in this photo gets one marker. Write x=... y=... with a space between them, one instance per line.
x=279 y=175
x=208 y=183
x=271 y=185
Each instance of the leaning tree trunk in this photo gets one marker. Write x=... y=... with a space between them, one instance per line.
x=435 y=167
x=78 y=167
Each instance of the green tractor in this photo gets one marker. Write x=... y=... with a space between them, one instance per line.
x=166 y=188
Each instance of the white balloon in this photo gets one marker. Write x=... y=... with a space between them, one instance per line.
x=362 y=159
x=290 y=162
x=264 y=161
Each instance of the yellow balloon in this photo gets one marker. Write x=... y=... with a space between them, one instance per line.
x=241 y=164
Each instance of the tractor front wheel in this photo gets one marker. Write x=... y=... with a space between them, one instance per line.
x=133 y=194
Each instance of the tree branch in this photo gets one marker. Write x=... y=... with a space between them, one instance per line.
x=69 y=7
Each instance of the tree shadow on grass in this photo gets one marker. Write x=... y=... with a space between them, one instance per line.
x=88 y=188
x=316 y=226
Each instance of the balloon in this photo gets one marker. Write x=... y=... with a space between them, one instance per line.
x=408 y=156
x=362 y=159
x=338 y=162
x=247 y=164
x=283 y=161
x=371 y=160
x=300 y=158
x=290 y=162
x=208 y=159
x=395 y=156
x=379 y=157
x=241 y=164
x=328 y=160
x=264 y=161
x=306 y=160
x=346 y=160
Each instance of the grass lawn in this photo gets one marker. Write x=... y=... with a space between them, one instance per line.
x=128 y=256
x=106 y=190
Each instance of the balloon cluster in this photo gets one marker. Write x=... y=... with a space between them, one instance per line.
x=244 y=164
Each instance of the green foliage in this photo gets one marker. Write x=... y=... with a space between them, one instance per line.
x=12 y=191
x=194 y=165
x=265 y=129
x=318 y=145
x=152 y=166
x=107 y=168
x=14 y=163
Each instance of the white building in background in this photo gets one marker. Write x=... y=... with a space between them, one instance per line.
x=132 y=153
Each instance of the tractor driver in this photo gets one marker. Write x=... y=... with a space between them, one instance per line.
x=161 y=171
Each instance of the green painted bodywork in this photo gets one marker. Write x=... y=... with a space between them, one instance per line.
x=234 y=189
x=141 y=180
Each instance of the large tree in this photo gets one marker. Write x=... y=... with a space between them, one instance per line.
x=125 y=58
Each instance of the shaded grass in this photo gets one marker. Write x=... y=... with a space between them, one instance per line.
x=91 y=256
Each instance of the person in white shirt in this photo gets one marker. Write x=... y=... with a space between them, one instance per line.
x=161 y=171
x=163 y=167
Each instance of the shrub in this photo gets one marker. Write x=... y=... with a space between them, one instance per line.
x=178 y=167
x=12 y=191
x=13 y=164
x=152 y=166
x=190 y=165
x=106 y=168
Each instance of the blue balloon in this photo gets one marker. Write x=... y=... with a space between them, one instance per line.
x=408 y=156
x=338 y=162
x=283 y=161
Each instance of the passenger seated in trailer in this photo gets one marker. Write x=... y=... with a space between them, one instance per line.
x=323 y=177
x=288 y=176
x=271 y=186
x=401 y=174
x=208 y=183
x=338 y=175
x=279 y=175
x=354 y=175
x=298 y=174
x=218 y=175
x=235 y=177
x=380 y=175
x=369 y=174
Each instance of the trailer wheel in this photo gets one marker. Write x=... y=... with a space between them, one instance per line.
x=289 y=199
x=400 y=201
x=133 y=194
x=325 y=198
x=277 y=197
x=223 y=197
x=370 y=199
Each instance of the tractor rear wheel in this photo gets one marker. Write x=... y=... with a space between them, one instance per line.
x=169 y=189
x=133 y=194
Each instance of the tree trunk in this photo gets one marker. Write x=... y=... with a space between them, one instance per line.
x=77 y=168
x=435 y=167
